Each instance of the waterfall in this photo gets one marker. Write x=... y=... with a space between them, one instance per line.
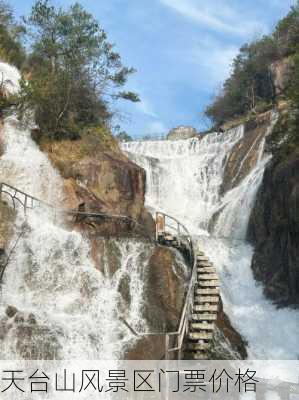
x=67 y=307
x=185 y=176
x=184 y=180
x=9 y=77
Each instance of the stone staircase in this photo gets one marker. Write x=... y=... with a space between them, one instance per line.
x=199 y=315
x=206 y=299
x=203 y=298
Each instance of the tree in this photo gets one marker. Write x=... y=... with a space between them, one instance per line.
x=73 y=69
x=286 y=32
x=123 y=136
x=10 y=37
x=250 y=82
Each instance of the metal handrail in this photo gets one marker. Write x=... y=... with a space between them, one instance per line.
x=30 y=201
x=188 y=304
x=180 y=230
x=183 y=236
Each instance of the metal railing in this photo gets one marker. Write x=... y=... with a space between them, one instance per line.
x=164 y=224
x=167 y=224
x=29 y=202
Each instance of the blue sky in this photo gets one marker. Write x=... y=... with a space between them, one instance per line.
x=182 y=50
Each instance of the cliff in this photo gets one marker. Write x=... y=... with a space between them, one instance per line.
x=97 y=174
x=245 y=152
x=273 y=226
x=274 y=231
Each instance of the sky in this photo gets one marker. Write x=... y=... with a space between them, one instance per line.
x=182 y=51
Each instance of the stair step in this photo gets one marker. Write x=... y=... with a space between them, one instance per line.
x=206 y=299
x=212 y=283
x=206 y=307
x=207 y=291
x=200 y=355
x=169 y=237
x=198 y=346
x=202 y=326
x=206 y=270
x=200 y=335
x=202 y=258
x=204 y=317
x=207 y=277
x=203 y=264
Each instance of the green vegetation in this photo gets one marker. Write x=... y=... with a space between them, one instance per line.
x=10 y=37
x=72 y=72
x=284 y=140
x=123 y=136
x=250 y=87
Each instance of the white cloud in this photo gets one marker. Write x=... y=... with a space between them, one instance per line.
x=216 y=15
x=213 y=59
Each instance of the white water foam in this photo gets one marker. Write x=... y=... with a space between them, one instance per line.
x=184 y=180
x=51 y=273
x=9 y=77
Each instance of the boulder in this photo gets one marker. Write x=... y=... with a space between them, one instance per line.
x=166 y=283
x=182 y=132
x=103 y=181
x=281 y=71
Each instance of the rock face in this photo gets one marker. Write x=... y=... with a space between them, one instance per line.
x=165 y=286
x=1 y=136
x=33 y=341
x=227 y=344
x=245 y=152
x=165 y=290
x=281 y=72
x=7 y=217
x=104 y=180
x=274 y=230
x=182 y=132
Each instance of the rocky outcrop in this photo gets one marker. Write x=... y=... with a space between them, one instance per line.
x=166 y=282
x=165 y=289
x=281 y=71
x=182 y=132
x=244 y=154
x=274 y=230
x=33 y=341
x=7 y=216
x=101 y=179
x=227 y=344
x=1 y=136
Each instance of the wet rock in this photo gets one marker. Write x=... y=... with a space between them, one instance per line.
x=244 y=154
x=182 y=132
x=166 y=283
x=104 y=181
x=274 y=230
x=33 y=341
x=228 y=344
x=11 y=311
x=7 y=218
x=147 y=348
x=1 y=135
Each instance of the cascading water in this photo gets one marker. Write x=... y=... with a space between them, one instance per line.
x=72 y=309
x=184 y=180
